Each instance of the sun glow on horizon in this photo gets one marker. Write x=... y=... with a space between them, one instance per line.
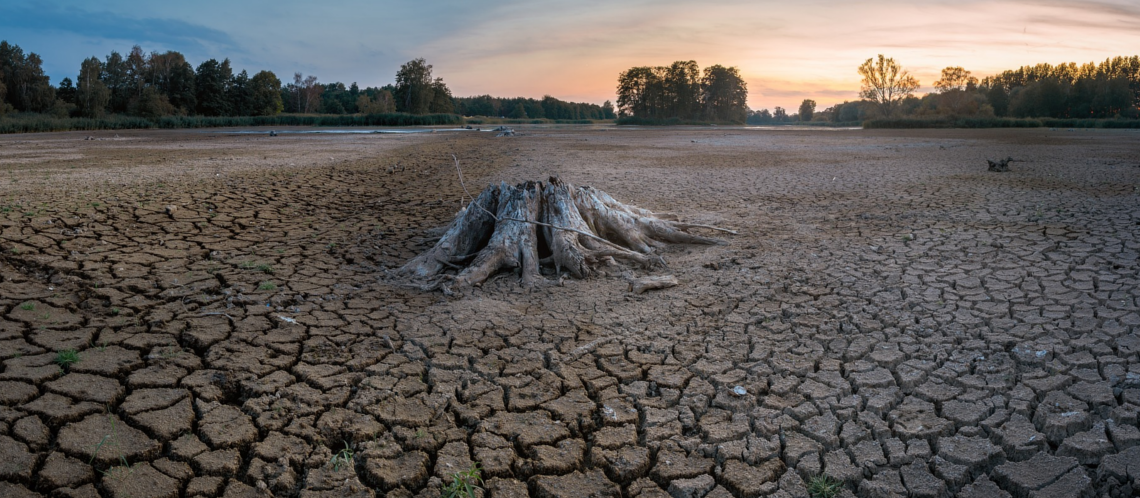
x=575 y=51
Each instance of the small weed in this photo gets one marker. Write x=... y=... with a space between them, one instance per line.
x=265 y=268
x=822 y=486
x=342 y=457
x=267 y=286
x=464 y=484
x=420 y=433
x=66 y=358
x=28 y=306
x=111 y=439
x=908 y=237
x=115 y=311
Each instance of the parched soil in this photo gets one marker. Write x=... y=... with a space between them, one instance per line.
x=212 y=314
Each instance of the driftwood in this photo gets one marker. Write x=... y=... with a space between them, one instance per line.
x=1001 y=165
x=533 y=224
x=640 y=285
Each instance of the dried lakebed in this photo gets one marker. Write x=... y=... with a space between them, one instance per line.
x=209 y=314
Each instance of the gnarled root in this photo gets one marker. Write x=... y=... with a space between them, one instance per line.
x=462 y=240
x=514 y=243
x=583 y=228
x=572 y=250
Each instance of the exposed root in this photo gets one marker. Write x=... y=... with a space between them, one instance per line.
x=583 y=228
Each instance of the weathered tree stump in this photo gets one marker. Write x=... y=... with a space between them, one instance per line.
x=1001 y=165
x=534 y=224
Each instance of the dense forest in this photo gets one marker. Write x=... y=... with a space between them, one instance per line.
x=1105 y=90
x=158 y=85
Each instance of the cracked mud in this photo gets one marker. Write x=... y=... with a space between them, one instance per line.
x=891 y=316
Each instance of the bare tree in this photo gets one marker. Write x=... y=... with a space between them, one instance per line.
x=885 y=83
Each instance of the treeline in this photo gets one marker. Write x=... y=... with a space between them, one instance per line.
x=680 y=93
x=1070 y=95
x=158 y=86
x=526 y=108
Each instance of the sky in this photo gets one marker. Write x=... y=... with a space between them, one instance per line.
x=574 y=50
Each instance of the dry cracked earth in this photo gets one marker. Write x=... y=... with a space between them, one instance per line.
x=211 y=314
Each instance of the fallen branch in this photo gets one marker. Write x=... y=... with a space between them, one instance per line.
x=640 y=285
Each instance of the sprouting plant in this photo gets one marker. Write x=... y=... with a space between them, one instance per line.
x=111 y=439
x=265 y=268
x=823 y=486
x=908 y=237
x=66 y=358
x=267 y=285
x=420 y=433
x=464 y=484
x=28 y=306
x=115 y=311
x=342 y=457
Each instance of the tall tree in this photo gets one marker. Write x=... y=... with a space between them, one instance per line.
x=240 y=95
x=414 y=87
x=211 y=82
x=265 y=94
x=885 y=83
x=441 y=100
x=115 y=77
x=174 y=77
x=137 y=69
x=640 y=92
x=807 y=110
x=682 y=87
x=725 y=94
x=953 y=88
x=91 y=95
x=27 y=88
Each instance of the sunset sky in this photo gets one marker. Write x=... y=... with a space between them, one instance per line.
x=574 y=50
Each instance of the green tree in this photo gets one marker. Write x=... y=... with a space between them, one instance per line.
x=724 y=94
x=65 y=92
x=150 y=104
x=211 y=82
x=641 y=92
x=414 y=87
x=441 y=100
x=26 y=87
x=885 y=83
x=807 y=110
x=265 y=94
x=115 y=77
x=607 y=110
x=174 y=77
x=240 y=95
x=953 y=89
x=682 y=89
x=91 y=95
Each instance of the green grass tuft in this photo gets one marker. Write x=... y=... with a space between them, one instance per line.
x=822 y=486
x=464 y=484
x=67 y=357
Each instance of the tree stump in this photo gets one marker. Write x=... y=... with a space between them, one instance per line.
x=1001 y=165
x=533 y=224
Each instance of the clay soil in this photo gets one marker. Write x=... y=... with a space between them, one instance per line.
x=891 y=316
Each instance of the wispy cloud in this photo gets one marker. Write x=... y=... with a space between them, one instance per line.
x=108 y=25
